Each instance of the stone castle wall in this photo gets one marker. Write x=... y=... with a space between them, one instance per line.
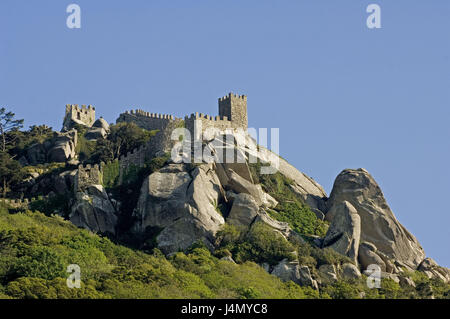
x=87 y=175
x=234 y=107
x=146 y=120
x=206 y=121
x=84 y=115
x=232 y=115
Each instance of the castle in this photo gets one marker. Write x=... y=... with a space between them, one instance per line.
x=232 y=115
x=83 y=116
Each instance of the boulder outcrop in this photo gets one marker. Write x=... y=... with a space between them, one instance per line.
x=94 y=210
x=344 y=233
x=378 y=224
x=99 y=129
x=59 y=148
x=183 y=204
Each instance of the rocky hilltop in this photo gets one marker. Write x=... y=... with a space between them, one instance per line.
x=283 y=221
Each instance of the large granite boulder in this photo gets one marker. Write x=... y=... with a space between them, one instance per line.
x=183 y=204
x=59 y=148
x=246 y=147
x=63 y=147
x=328 y=274
x=378 y=224
x=94 y=210
x=367 y=256
x=243 y=211
x=99 y=129
x=291 y=271
x=345 y=230
x=350 y=271
x=287 y=270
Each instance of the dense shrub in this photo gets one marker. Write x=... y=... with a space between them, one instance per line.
x=35 y=251
x=260 y=244
x=291 y=207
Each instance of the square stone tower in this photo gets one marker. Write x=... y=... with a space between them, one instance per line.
x=235 y=108
x=81 y=115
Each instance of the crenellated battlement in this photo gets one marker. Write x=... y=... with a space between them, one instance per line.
x=198 y=115
x=139 y=112
x=84 y=115
x=88 y=175
x=134 y=152
x=231 y=95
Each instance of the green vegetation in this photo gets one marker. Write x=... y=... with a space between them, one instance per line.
x=111 y=174
x=57 y=204
x=313 y=256
x=123 y=138
x=85 y=149
x=11 y=173
x=291 y=208
x=260 y=244
x=35 y=251
x=47 y=168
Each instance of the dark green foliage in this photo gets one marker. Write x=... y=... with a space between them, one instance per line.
x=8 y=124
x=123 y=138
x=291 y=208
x=35 y=251
x=20 y=141
x=111 y=174
x=313 y=256
x=128 y=194
x=260 y=244
x=11 y=173
x=57 y=204
x=40 y=262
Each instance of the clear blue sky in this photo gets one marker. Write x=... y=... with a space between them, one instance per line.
x=342 y=95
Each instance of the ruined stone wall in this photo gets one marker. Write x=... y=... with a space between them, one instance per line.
x=205 y=121
x=146 y=120
x=158 y=144
x=87 y=175
x=84 y=115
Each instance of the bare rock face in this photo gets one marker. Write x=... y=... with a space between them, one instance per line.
x=350 y=271
x=182 y=204
x=368 y=256
x=378 y=224
x=287 y=270
x=328 y=274
x=345 y=230
x=244 y=210
x=94 y=210
x=59 y=148
x=99 y=129
x=306 y=187
x=291 y=271
x=63 y=148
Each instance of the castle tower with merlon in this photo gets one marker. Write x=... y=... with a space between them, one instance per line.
x=234 y=107
x=84 y=115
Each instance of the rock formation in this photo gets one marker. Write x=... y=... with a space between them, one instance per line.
x=379 y=227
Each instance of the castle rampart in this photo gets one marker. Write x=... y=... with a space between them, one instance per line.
x=232 y=115
x=84 y=115
x=87 y=175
